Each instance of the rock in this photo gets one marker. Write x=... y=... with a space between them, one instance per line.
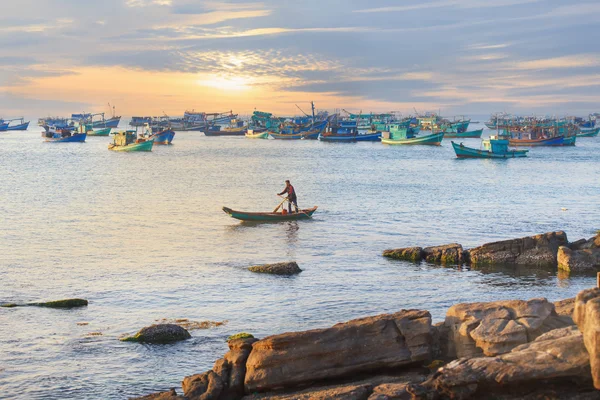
x=578 y=244
x=361 y=345
x=578 y=260
x=565 y=307
x=205 y=386
x=440 y=336
x=349 y=392
x=447 y=254
x=284 y=268
x=557 y=354
x=537 y=250
x=168 y=395
x=414 y=254
x=390 y=391
x=67 y=303
x=159 y=334
x=587 y=318
x=231 y=369
x=494 y=328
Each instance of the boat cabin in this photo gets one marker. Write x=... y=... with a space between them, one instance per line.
x=496 y=145
x=124 y=138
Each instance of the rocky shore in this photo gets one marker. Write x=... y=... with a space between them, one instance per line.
x=516 y=349
x=496 y=350
x=551 y=249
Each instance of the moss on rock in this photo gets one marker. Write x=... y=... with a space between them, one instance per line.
x=241 y=335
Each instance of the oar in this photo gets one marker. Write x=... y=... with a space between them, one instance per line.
x=280 y=204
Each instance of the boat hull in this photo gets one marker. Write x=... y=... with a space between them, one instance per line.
x=164 y=137
x=99 y=132
x=108 y=123
x=469 y=152
x=366 y=137
x=19 y=127
x=589 y=133
x=555 y=141
x=143 y=146
x=270 y=217
x=434 y=139
x=225 y=133
x=569 y=141
x=462 y=135
x=78 y=137
x=259 y=135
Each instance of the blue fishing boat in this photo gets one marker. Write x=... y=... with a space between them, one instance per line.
x=163 y=137
x=494 y=147
x=552 y=141
x=350 y=137
x=5 y=125
x=63 y=136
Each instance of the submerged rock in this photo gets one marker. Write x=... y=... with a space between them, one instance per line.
x=283 y=268
x=408 y=254
x=587 y=318
x=358 y=346
x=540 y=250
x=67 y=303
x=159 y=334
x=497 y=327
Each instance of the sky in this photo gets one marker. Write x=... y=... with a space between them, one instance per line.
x=149 y=57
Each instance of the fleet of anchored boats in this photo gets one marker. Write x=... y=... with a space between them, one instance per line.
x=341 y=126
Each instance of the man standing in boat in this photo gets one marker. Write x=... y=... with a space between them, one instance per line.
x=291 y=196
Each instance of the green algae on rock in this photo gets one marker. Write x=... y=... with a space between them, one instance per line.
x=159 y=334
x=283 y=268
x=241 y=335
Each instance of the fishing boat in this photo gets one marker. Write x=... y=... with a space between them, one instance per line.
x=350 y=137
x=128 y=141
x=251 y=134
x=494 y=147
x=5 y=125
x=62 y=135
x=400 y=134
x=270 y=216
x=588 y=132
x=164 y=136
x=551 y=141
x=99 y=132
x=470 y=134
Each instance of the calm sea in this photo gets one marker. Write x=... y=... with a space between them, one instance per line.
x=142 y=237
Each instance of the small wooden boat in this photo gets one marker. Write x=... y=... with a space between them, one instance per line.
x=127 y=141
x=258 y=135
x=461 y=135
x=588 y=132
x=494 y=147
x=434 y=139
x=553 y=141
x=270 y=216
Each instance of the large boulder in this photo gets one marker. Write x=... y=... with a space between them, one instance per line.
x=587 y=318
x=361 y=345
x=578 y=260
x=159 y=334
x=414 y=254
x=283 y=268
x=497 y=327
x=539 y=250
x=559 y=354
x=447 y=254
x=231 y=369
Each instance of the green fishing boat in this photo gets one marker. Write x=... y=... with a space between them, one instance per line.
x=128 y=141
x=400 y=134
x=258 y=135
x=471 y=134
x=99 y=132
x=589 y=132
x=270 y=216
